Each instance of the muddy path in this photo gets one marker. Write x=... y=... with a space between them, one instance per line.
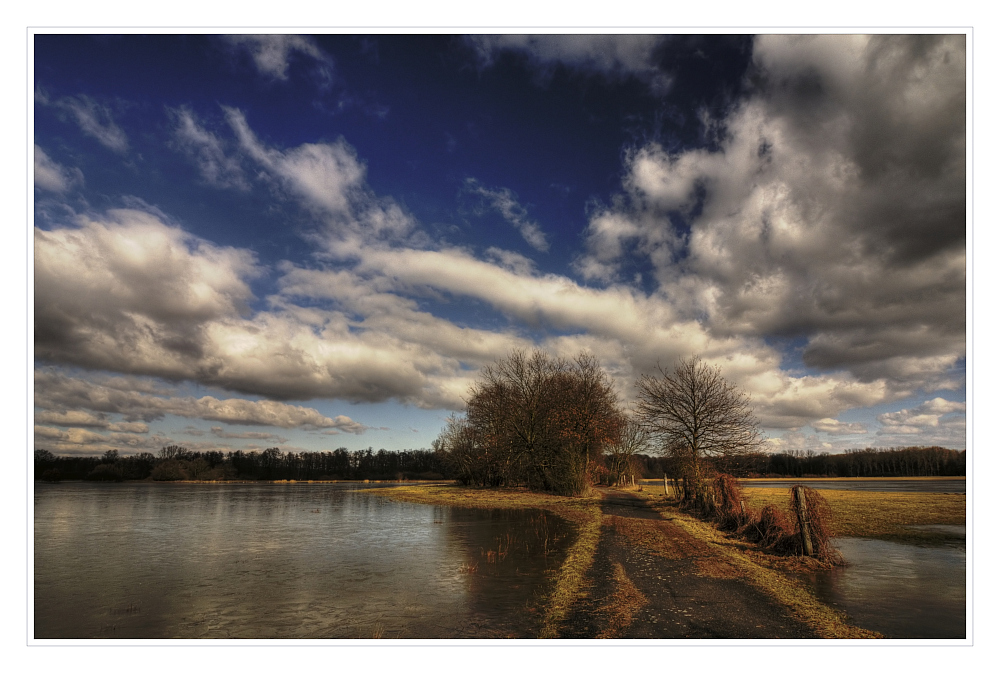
x=651 y=579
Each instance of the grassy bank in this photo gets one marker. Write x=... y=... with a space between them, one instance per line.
x=716 y=556
x=736 y=559
x=569 y=584
x=874 y=514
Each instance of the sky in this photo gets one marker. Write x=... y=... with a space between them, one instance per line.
x=317 y=241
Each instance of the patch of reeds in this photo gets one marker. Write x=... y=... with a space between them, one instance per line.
x=723 y=501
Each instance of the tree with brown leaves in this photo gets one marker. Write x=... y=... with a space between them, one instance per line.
x=534 y=420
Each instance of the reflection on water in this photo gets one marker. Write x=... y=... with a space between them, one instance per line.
x=887 y=485
x=899 y=590
x=282 y=561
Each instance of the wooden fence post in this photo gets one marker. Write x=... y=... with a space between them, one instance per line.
x=800 y=502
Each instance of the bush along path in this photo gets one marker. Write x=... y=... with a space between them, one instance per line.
x=660 y=573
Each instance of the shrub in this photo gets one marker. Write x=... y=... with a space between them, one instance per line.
x=169 y=470
x=106 y=472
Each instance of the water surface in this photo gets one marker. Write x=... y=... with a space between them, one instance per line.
x=886 y=485
x=900 y=590
x=150 y=560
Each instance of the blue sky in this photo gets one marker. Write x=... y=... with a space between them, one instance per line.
x=316 y=241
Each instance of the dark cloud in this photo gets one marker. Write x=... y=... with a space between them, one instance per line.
x=834 y=208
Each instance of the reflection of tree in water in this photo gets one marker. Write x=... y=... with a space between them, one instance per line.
x=510 y=558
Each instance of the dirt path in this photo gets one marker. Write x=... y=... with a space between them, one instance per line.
x=651 y=579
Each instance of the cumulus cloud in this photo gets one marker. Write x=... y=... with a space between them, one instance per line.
x=833 y=208
x=217 y=167
x=262 y=436
x=936 y=421
x=272 y=54
x=52 y=176
x=329 y=179
x=505 y=201
x=95 y=120
x=834 y=427
x=611 y=55
x=128 y=288
x=62 y=396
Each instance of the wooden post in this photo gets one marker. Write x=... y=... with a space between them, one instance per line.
x=800 y=502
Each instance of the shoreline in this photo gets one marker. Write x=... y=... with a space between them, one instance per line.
x=574 y=584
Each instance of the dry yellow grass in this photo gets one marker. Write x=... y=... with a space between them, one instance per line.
x=621 y=606
x=735 y=559
x=875 y=514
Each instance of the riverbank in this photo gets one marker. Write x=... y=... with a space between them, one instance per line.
x=640 y=568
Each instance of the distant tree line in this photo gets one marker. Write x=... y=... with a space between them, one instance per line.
x=174 y=463
x=908 y=461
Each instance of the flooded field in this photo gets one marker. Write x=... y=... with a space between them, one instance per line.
x=154 y=560
x=942 y=485
x=900 y=590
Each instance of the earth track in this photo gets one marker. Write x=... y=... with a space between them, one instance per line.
x=651 y=579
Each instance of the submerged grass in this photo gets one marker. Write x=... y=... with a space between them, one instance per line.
x=874 y=514
x=569 y=585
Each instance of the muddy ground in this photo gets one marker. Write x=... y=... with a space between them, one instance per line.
x=651 y=579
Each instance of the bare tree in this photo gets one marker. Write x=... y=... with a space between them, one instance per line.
x=631 y=440
x=696 y=413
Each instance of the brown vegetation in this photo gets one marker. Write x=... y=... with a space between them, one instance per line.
x=534 y=420
x=873 y=514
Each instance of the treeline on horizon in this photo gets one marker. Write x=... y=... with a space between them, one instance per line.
x=175 y=463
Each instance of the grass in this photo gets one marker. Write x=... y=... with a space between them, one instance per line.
x=569 y=585
x=726 y=558
x=621 y=606
x=873 y=514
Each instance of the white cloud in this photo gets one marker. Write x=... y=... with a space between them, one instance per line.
x=96 y=121
x=217 y=167
x=935 y=421
x=272 y=54
x=505 y=201
x=262 y=436
x=68 y=401
x=834 y=427
x=52 y=176
x=330 y=180
x=610 y=55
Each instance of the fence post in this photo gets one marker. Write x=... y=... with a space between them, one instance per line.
x=800 y=502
